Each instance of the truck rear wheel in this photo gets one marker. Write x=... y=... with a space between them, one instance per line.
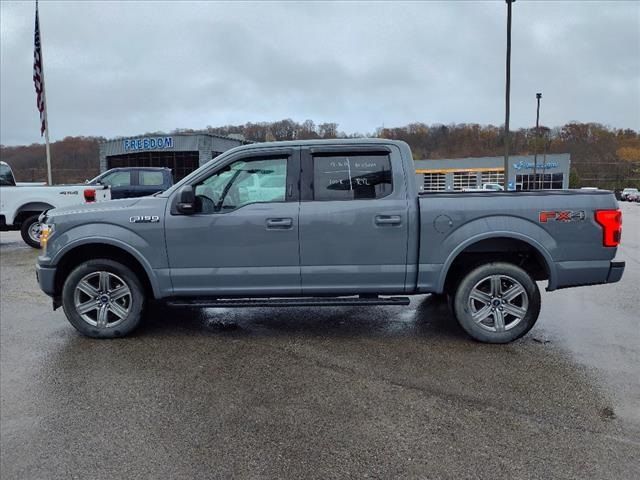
x=30 y=231
x=497 y=303
x=103 y=299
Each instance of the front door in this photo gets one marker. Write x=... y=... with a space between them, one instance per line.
x=121 y=183
x=243 y=239
x=353 y=222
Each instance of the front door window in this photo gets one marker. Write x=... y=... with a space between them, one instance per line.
x=242 y=183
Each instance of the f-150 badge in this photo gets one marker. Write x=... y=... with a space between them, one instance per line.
x=564 y=216
x=144 y=219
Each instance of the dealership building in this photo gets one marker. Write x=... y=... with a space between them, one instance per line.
x=181 y=152
x=549 y=172
x=185 y=152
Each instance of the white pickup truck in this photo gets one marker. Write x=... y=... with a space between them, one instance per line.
x=21 y=205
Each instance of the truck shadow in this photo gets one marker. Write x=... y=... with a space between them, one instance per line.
x=426 y=316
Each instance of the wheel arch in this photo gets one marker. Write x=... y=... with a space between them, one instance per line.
x=499 y=246
x=90 y=249
x=29 y=209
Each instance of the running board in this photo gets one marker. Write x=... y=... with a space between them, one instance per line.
x=287 y=302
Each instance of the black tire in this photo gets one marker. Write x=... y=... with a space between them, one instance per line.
x=130 y=304
x=25 y=231
x=491 y=329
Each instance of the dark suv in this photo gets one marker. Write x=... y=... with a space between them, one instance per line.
x=131 y=182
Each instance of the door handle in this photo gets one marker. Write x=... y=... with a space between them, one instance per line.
x=388 y=220
x=279 y=223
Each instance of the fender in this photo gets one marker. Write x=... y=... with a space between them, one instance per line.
x=38 y=206
x=467 y=230
x=153 y=280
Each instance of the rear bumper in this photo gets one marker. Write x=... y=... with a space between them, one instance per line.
x=46 y=279
x=616 y=269
x=580 y=273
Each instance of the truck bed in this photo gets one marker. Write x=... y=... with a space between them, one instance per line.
x=558 y=227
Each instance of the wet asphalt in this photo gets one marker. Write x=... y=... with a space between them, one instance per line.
x=377 y=392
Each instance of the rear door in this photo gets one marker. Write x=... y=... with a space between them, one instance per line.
x=353 y=221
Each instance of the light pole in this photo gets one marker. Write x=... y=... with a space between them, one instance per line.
x=535 y=152
x=507 y=97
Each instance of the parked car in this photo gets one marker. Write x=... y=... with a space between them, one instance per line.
x=134 y=181
x=633 y=197
x=495 y=187
x=316 y=223
x=627 y=192
x=21 y=205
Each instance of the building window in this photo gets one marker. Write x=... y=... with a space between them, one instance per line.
x=540 y=181
x=434 y=182
x=463 y=180
x=493 y=176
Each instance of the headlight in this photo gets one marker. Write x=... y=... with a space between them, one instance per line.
x=45 y=232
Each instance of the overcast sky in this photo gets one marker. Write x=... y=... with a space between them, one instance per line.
x=125 y=68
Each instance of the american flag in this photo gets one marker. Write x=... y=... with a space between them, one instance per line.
x=38 y=79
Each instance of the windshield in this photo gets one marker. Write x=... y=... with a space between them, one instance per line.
x=95 y=179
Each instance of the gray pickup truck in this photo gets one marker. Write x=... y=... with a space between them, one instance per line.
x=315 y=223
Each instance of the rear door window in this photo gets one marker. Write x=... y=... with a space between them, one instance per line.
x=351 y=177
x=149 y=178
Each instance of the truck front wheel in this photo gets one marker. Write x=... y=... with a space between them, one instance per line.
x=497 y=303
x=30 y=231
x=103 y=299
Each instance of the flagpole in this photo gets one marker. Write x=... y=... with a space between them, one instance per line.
x=46 y=111
x=46 y=136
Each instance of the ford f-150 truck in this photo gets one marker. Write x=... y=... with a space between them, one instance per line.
x=22 y=203
x=316 y=223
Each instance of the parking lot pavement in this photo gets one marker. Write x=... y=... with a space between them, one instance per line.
x=381 y=392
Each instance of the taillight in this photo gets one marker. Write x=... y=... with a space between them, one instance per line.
x=89 y=195
x=611 y=223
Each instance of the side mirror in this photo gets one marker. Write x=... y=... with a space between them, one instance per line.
x=186 y=200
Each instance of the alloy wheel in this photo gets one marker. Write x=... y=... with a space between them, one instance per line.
x=498 y=303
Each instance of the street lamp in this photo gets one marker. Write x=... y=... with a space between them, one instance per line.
x=507 y=97
x=535 y=152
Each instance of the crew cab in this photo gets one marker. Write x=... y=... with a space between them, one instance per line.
x=21 y=204
x=315 y=223
x=129 y=182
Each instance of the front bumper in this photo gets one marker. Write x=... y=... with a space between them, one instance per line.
x=46 y=277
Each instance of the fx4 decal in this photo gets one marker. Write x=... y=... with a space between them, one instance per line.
x=563 y=216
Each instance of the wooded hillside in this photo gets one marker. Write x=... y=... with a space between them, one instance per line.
x=600 y=156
